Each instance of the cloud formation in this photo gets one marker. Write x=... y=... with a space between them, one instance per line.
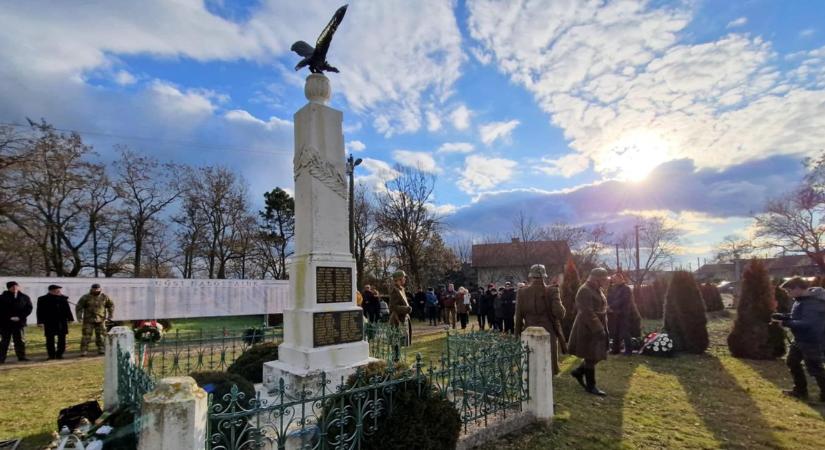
x=423 y=161
x=482 y=173
x=606 y=71
x=493 y=131
x=456 y=147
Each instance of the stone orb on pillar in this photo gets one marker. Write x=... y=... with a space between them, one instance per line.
x=317 y=89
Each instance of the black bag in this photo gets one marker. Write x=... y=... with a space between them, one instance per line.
x=71 y=416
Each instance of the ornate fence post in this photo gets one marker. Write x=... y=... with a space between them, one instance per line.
x=539 y=373
x=125 y=339
x=174 y=416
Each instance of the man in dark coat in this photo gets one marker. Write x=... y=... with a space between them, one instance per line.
x=539 y=305
x=54 y=315
x=371 y=305
x=508 y=307
x=588 y=337
x=807 y=323
x=620 y=304
x=419 y=303
x=15 y=306
x=487 y=305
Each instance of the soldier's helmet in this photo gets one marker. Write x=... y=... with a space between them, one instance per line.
x=538 y=271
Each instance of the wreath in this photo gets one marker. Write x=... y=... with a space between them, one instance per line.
x=149 y=331
x=658 y=344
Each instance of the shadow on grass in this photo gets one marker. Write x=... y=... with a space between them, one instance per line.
x=776 y=372
x=36 y=441
x=727 y=410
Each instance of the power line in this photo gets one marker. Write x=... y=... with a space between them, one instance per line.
x=191 y=145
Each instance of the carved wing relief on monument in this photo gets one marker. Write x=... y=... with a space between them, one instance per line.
x=309 y=160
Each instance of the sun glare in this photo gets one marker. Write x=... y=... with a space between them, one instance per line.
x=635 y=155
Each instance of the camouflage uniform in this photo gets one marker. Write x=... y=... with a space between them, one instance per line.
x=93 y=311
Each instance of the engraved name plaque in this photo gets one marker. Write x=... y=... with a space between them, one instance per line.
x=339 y=327
x=333 y=284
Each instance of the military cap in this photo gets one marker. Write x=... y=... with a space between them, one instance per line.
x=54 y=286
x=398 y=274
x=95 y=286
x=599 y=272
x=538 y=271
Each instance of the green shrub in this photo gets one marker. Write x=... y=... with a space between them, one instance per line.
x=220 y=383
x=250 y=364
x=426 y=421
x=753 y=336
x=569 y=286
x=685 y=318
x=712 y=297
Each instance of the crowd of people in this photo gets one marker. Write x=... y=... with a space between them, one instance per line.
x=53 y=315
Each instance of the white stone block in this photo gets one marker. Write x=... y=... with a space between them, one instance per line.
x=125 y=338
x=539 y=374
x=174 y=416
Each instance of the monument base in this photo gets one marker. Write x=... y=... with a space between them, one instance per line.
x=299 y=378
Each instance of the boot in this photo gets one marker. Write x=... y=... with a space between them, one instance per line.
x=578 y=374
x=802 y=395
x=590 y=374
x=820 y=380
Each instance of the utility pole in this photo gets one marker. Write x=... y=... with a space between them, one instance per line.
x=638 y=270
x=618 y=265
x=351 y=164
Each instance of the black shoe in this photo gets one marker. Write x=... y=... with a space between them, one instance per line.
x=59 y=357
x=23 y=359
x=596 y=391
x=578 y=374
x=796 y=394
x=591 y=388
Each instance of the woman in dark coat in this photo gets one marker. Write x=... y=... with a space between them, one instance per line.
x=54 y=315
x=620 y=302
x=588 y=337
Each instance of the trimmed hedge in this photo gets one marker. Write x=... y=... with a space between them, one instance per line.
x=569 y=286
x=250 y=364
x=685 y=319
x=753 y=336
x=712 y=297
x=650 y=299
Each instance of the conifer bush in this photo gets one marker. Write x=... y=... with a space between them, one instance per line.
x=250 y=364
x=685 y=319
x=712 y=297
x=753 y=337
x=650 y=299
x=569 y=286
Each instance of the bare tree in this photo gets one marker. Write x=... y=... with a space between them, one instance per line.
x=52 y=197
x=658 y=242
x=365 y=228
x=405 y=218
x=146 y=187
x=734 y=247
x=190 y=232
x=794 y=223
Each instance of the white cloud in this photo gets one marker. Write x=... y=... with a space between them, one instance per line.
x=493 y=131
x=171 y=100
x=737 y=22
x=460 y=117
x=378 y=174
x=611 y=72
x=355 y=146
x=243 y=116
x=419 y=160
x=566 y=166
x=456 y=147
x=442 y=210
x=433 y=121
x=482 y=173
x=124 y=78
x=807 y=32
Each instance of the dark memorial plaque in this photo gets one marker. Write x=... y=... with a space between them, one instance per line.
x=339 y=327
x=333 y=284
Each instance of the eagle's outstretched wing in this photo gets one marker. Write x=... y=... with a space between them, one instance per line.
x=325 y=38
x=303 y=49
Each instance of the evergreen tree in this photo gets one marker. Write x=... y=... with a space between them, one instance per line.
x=569 y=286
x=712 y=297
x=685 y=318
x=753 y=336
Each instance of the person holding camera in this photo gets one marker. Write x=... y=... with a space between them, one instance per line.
x=807 y=323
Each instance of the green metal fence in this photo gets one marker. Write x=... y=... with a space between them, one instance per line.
x=183 y=353
x=480 y=384
x=386 y=342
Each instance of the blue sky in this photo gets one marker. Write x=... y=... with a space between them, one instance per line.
x=578 y=111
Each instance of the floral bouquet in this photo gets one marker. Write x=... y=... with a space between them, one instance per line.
x=657 y=344
x=148 y=331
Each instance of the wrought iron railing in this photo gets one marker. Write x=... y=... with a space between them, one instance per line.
x=132 y=383
x=482 y=379
x=386 y=342
x=183 y=353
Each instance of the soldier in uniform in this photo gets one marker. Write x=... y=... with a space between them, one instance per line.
x=399 y=306
x=93 y=309
x=539 y=305
x=588 y=338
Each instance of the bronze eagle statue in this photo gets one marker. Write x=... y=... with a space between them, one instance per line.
x=316 y=58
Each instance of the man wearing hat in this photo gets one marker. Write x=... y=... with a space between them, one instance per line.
x=539 y=305
x=15 y=306
x=93 y=309
x=399 y=306
x=54 y=315
x=588 y=337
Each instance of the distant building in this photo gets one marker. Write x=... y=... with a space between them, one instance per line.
x=779 y=267
x=511 y=261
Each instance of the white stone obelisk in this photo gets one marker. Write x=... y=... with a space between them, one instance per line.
x=323 y=328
